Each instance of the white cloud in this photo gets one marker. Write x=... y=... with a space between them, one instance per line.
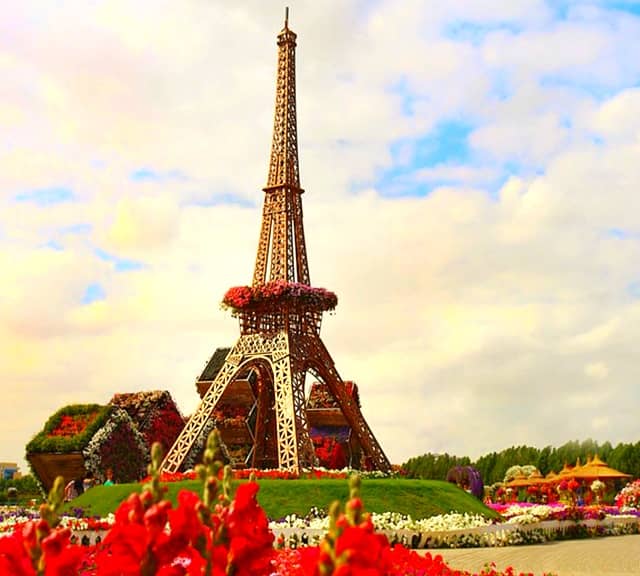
x=596 y=370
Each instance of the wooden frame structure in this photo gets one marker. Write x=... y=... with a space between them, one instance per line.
x=279 y=338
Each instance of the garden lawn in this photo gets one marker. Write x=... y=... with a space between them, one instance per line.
x=418 y=498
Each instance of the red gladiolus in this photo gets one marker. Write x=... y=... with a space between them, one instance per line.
x=250 y=540
x=14 y=558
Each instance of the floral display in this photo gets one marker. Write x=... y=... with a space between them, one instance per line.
x=629 y=496
x=73 y=424
x=116 y=436
x=468 y=478
x=522 y=471
x=279 y=293
x=231 y=415
x=155 y=415
x=217 y=534
x=117 y=446
x=330 y=452
x=69 y=429
x=320 y=395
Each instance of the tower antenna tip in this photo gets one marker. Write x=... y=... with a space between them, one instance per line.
x=286 y=17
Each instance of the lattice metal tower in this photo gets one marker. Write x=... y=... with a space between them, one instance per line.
x=280 y=340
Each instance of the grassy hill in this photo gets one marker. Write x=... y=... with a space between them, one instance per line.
x=419 y=498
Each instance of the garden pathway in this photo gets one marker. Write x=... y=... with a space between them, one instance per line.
x=611 y=556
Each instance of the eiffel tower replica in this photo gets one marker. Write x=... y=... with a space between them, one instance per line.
x=279 y=329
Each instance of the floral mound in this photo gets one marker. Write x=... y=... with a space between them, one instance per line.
x=155 y=414
x=69 y=429
x=91 y=438
x=213 y=535
x=117 y=446
x=275 y=294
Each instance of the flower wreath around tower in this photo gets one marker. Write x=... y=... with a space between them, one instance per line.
x=278 y=293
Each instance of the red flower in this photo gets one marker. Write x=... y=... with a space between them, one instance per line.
x=250 y=540
x=60 y=556
x=14 y=558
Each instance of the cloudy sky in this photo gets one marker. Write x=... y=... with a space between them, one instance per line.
x=472 y=173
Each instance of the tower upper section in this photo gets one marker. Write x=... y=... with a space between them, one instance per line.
x=282 y=253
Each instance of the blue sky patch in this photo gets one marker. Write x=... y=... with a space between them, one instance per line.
x=563 y=8
x=465 y=31
x=407 y=98
x=46 y=196
x=226 y=198
x=446 y=144
x=150 y=175
x=54 y=245
x=93 y=293
x=633 y=289
x=585 y=85
x=618 y=233
x=119 y=264
x=80 y=228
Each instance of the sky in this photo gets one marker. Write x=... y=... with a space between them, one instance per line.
x=472 y=177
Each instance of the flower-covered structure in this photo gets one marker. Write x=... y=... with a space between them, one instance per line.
x=277 y=294
x=117 y=446
x=155 y=415
x=333 y=440
x=82 y=438
x=468 y=478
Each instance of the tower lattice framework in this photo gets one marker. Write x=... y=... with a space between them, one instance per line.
x=280 y=341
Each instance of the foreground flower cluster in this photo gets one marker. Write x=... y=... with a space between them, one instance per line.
x=210 y=536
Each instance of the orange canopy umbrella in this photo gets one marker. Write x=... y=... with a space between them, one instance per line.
x=537 y=478
x=566 y=471
x=597 y=469
x=519 y=481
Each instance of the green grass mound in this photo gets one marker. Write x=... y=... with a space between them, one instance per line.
x=418 y=498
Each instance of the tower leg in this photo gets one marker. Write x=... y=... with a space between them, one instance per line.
x=325 y=368
x=294 y=444
x=294 y=448
x=198 y=423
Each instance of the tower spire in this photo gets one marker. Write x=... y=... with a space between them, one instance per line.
x=282 y=252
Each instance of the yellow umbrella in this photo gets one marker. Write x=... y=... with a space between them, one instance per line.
x=520 y=481
x=597 y=469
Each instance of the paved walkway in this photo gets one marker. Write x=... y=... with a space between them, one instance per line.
x=611 y=556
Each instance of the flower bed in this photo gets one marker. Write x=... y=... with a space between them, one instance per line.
x=276 y=294
x=69 y=429
x=214 y=535
x=629 y=496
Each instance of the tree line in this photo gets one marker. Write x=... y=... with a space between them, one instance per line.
x=492 y=467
